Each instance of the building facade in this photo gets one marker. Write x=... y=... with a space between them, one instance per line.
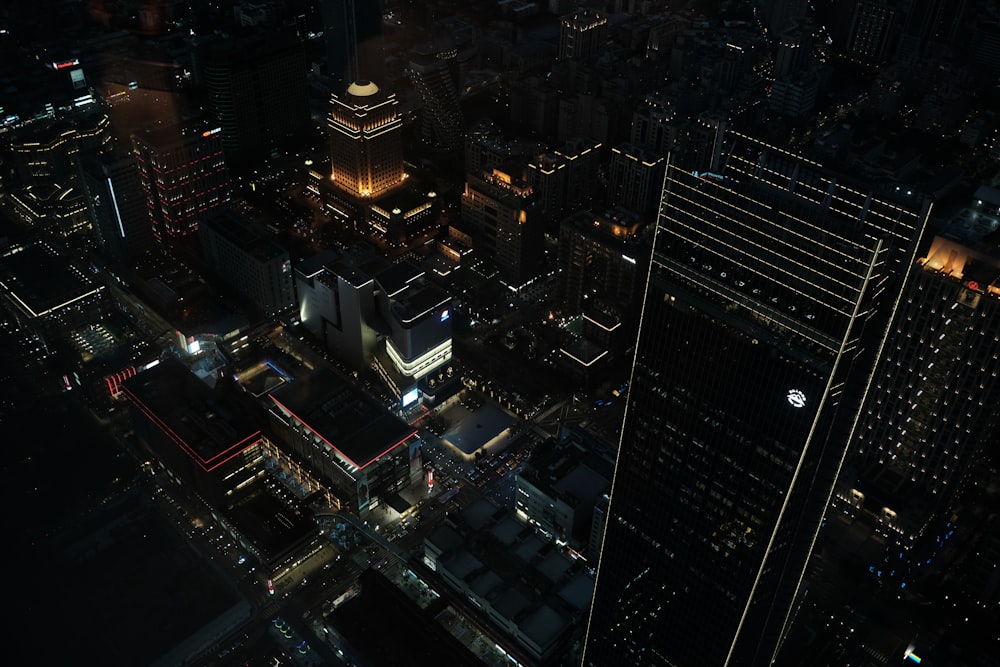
x=183 y=174
x=434 y=71
x=257 y=92
x=248 y=262
x=497 y=206
x=366 y=140
x=361 y=453
x=418 y=315
x=932 y=409
x=767 y=303
x=117 y=204
x=48 y=290
x=336 y=300
x=635 y=178
x=46 y=154
x=582 y=35
x=601 y=259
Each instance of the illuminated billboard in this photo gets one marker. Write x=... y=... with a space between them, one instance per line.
x=410 y=397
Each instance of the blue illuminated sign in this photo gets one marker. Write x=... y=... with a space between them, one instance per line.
x=445 y=314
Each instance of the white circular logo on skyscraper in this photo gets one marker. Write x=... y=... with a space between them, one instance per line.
x=796 y=398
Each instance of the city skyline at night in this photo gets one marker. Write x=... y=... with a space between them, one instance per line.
x=501 y=332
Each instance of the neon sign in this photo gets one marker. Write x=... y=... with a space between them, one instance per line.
x=973 y=285
x=796 y=398
x=708 y=174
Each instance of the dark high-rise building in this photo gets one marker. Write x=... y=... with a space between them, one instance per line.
x=508 y=230
x=792 y=53
x=654 y=125
x=248 y=262
x=767 y=304
x=120 y=220
x=547 y=177
x=601 y=259
x=933 y=404
x=872 y=31
x=778 y=15
x=582 y=35
x=434 y=71
x=352 y=30
x=183 y=174
x=635 y=178
x=929 y=22
x=582 y=157
x=257 y=92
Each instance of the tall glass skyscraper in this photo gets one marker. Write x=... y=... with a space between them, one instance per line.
x=767 y=304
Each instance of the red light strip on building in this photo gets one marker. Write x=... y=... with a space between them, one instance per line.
x=113 y=382
x=205 y=464
x=331 y=445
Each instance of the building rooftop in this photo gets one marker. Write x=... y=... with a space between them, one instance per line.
x=570 y=471
x=238 y=231
x=444 y=539
x=578 y=591
x=362 y=89
x=529 y=586
x=544 y=626
x=581 y=483
x=506 y=530
x=397 y=277
x=417 y=636
x=270 y=524
x=419 y=302
x=403 y=201
x=479 y=514
x=314 y=265
x=478 y=429
x=41 y=281
x=583 y=352
x=167 y=136
x=209 y=426
x=554 y=565
x=352 y=424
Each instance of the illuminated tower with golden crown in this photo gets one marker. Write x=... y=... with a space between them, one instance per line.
x=366 y=142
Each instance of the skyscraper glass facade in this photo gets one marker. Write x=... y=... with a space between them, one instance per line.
x=766 y=306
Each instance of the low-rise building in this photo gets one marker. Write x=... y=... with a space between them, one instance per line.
x=360 y=451
x=527 y=586
x=558 y=490
x=210 y=440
